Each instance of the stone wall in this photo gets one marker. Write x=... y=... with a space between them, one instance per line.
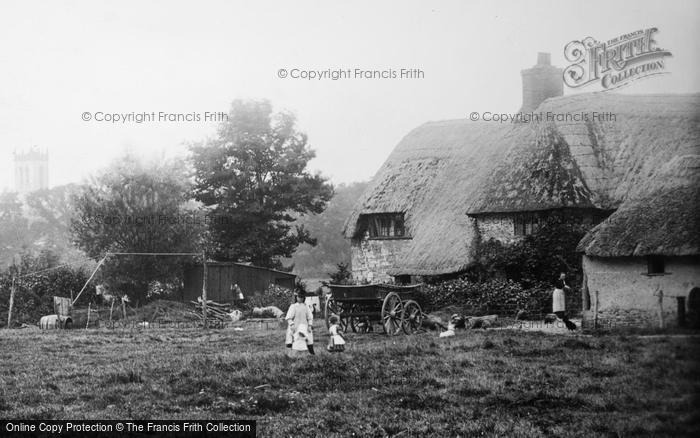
x=371 y=258
x=498 y=227
x=628 y=297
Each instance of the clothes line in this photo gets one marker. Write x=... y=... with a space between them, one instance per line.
x=42 y=271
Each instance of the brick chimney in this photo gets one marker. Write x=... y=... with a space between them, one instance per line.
x=541 y=82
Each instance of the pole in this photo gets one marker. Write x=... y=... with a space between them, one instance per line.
x=87 y=324
x=88 y=281
x=204 y=287
x=12 y=303
x=595 y=312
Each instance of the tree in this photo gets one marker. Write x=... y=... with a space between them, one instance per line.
x=15 y=236
x=333 y=248
x=252 y=176
x=137 y=208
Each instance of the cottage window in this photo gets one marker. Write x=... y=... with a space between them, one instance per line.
x=386 y=225
x=403 y=279
x=525 y=224
x=655 y=265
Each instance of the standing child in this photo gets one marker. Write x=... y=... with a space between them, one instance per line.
x=336 y=343
x=300 y=321
x=300 y=338
x=559 y=301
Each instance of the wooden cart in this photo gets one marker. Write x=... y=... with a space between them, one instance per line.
x=358 y=307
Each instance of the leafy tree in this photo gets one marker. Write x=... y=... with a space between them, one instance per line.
x=137 y=208
x=36 y=223
x=252 y=176
x=342 y=275
x=333 y=248
x=15 y=236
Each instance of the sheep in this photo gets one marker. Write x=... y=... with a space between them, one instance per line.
x=261 y=311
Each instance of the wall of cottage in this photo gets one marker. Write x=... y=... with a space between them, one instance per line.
x=497 y=226
x=370 y=259
x=501 y=227
x=627 y=296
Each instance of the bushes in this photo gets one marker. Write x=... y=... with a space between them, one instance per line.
x=503 y=297
x=34 y=293
x=517 y=276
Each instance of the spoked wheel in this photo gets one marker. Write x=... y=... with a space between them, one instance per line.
x=392 y=314
x=412 y=317
x=353 y=323
x=335 y=308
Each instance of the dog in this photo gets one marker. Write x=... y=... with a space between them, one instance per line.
x=458 y=321
x=570 y=325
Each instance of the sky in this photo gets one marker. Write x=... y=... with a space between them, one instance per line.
x=62 y=59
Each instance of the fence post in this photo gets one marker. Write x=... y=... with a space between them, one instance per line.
x=87 y=324
x=595 y=312
x=204 y=288
x=661 y=309
x=12 y=303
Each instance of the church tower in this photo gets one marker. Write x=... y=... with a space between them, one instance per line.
x=31 y=170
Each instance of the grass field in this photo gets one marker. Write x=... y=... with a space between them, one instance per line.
x=485 y=383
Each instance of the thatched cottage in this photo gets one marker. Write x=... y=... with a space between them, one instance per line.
x=449 y=185
x=642 y=264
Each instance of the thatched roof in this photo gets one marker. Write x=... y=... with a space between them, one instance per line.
x=428 y=176
x=594 y=163
x=442 y=170
x=663 y=222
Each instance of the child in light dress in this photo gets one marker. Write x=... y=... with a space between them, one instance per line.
x=300 y=321
x=336 y=343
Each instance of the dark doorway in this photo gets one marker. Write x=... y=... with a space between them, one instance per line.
x=693 y=315
x=681 y=311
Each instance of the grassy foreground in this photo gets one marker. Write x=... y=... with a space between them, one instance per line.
x=487 y=383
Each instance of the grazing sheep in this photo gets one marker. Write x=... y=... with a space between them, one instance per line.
x=432 y=322
x=449 y=332
x=458 y=321
x=261 y=311
x=235 y=315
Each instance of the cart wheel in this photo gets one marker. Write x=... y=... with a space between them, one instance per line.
x=352 y=323
x=335 y=308
x=392 y=314
x=412 y=317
